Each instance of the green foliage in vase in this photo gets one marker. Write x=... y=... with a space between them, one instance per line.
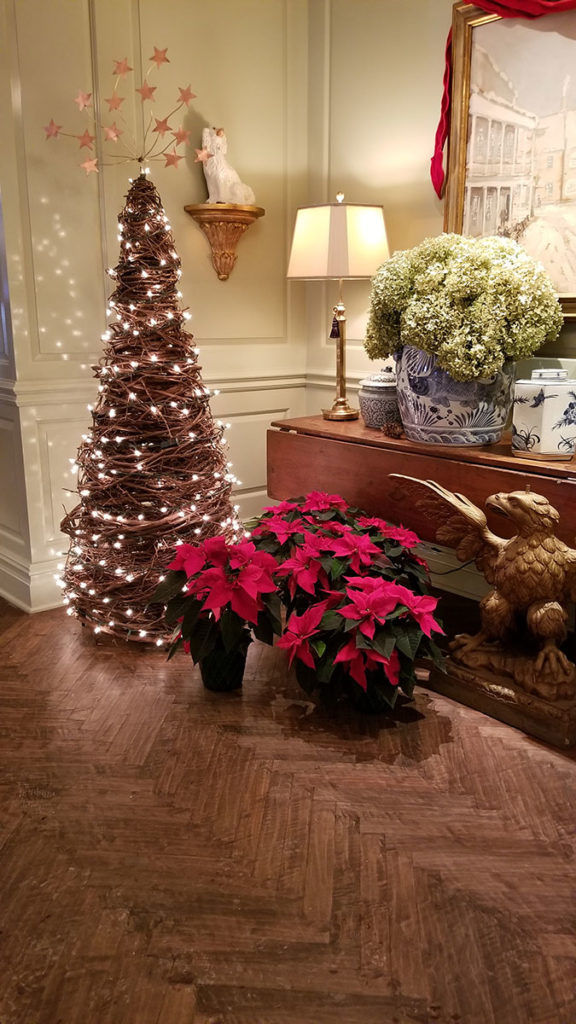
x=474 y=303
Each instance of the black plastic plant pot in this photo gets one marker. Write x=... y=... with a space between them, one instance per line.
x=223 y=670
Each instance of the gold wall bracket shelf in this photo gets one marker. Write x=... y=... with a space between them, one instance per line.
x=224 y=224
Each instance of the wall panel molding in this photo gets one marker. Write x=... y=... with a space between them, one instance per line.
x=320 y=379
x=48 y=392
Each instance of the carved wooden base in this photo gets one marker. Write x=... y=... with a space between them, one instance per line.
x=553 y=722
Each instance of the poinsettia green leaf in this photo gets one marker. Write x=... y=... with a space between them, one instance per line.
x=392 y=548
x=191 y=614
x=400 y=610
x=414 y=569
x=436 y=655
x=173 y=648
x=264 y=630
x=408 y=641
x=379 y=682
x=362 y=641
x=269 y=544
x=407 y=684
x=294 y=513
x=407 y=680
x=319 y=646
x=273 y=606
x=339 y=567
x=175 y=609
x=169 y=587
x=331 y=620
x=325 y=670
x=203 y=639
x=384 y=643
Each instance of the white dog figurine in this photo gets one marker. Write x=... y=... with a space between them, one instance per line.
x=224 y=185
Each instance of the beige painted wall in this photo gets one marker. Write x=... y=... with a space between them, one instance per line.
x=379 y=95
x=376 y=77
x=247 y=62
x=315 y=96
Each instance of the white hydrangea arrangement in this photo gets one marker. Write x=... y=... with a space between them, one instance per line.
x=472 y=302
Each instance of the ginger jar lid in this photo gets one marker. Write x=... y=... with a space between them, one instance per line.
x=385 y=379
x=549 y=375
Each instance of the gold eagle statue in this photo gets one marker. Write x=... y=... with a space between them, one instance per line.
x=533 y=579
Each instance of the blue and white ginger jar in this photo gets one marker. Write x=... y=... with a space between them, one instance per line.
x=544 y=421
x=378 y=401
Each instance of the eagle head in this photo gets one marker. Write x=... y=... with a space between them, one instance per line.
x=529 y=511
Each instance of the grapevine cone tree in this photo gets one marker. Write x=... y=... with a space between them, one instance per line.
x=152 y=472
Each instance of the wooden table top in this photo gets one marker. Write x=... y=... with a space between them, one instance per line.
x=498 y=455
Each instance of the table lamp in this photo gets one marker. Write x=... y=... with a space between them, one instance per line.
x=339 y=241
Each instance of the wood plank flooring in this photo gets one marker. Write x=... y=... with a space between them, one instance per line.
x=171 y=856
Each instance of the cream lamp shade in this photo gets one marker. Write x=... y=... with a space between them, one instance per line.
x=338 y=241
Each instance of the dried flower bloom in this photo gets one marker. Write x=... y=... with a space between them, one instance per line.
x=472 y=302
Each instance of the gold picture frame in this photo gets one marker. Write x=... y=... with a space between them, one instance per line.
x=466 y=193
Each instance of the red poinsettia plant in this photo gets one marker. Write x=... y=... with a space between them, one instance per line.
x=353 y=590
x=219 y=597
x=358 y=608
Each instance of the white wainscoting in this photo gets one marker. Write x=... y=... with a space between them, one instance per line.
x=53 y=422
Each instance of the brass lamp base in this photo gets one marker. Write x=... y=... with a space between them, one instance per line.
x=340 y=411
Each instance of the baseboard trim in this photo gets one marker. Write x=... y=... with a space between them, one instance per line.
x=32 y=588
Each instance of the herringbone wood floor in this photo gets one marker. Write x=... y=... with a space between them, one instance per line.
x=171 y=856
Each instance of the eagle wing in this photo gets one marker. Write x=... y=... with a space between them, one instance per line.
x=571 y=574
x=460 y=523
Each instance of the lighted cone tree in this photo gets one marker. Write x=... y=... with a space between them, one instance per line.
x=152 y=472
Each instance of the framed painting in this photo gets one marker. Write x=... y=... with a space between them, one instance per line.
x=512 y=147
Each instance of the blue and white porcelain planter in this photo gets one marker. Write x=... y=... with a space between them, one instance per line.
x=437 y=409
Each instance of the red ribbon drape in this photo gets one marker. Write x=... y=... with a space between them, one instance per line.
x=506 y=9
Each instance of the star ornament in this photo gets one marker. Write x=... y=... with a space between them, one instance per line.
x=86 y=140
x=186 y=95
x=181 y=135
x=52 y=129
x=122 y=67
x=146 y=91
x=159 y=57
x=83 y=100
x=114 y=102
x=90 y=166
x=162 y=126
x=172 y=159
x=113 y=133
x=202 y=155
